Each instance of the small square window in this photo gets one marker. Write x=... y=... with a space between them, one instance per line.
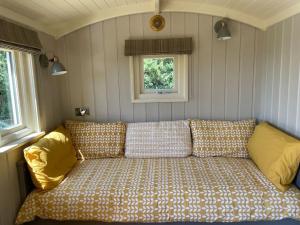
x=159 y=78
x=159 y=75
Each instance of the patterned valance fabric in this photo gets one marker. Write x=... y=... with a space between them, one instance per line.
x=158 y=46
x=16 y=37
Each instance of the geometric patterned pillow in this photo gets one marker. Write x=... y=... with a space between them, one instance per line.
x=221 y=138
x=158 y=139
x=94 y=140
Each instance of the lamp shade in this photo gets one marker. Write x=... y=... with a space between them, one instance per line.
x=57 y=68
x=222 y=31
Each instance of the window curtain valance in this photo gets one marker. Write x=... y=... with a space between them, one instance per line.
x=158 y=46
x=13 y=36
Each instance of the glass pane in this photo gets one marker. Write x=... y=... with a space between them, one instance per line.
x=159 y=73
x=9 y=116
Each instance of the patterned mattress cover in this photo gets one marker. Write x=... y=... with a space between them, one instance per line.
x=163 y=190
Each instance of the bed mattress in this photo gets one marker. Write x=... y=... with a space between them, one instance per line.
x=163 y=190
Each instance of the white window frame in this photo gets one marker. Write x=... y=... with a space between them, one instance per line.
x=25 y=88
x=178 y=94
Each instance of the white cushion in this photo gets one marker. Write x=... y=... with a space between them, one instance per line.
x=158 y=139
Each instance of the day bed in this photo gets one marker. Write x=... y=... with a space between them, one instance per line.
x=173 y=190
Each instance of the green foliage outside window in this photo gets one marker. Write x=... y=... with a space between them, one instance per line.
x=5 y=99
x=158 y=73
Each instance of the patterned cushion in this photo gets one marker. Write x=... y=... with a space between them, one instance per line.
x=158 y=139
x=97 y=140
x=221 y=138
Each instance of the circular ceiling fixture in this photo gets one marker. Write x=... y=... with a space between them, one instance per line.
x=157 y=23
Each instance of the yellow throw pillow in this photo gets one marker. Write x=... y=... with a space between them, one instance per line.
x=276 y=154
x=50 y=159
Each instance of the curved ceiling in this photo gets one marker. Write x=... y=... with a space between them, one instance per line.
x=60 y=17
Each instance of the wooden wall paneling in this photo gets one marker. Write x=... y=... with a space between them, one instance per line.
x=218 y=77
x=232 y=72
x=4 y=190
x=86 y=72
x=259 y=65
x=111 y=64
x=177 y=30
x=64 y=80
x=267 y=74
x=99 y=71
x=136 y=31
x=284 y=72
x=49 y=84
x=213 y=68
x=124 y=77
x=281 y=99
x=294 y=76
x=152 y=110
x=270 y=73
x=206 y=36
x=45 y=85
x=191 y=30
x=297 y=132
x=48 y=88
x=14 y=201
x=165 y=108
x=276 y=77
x=42 y=99
x=74 y=71
x=246 y=71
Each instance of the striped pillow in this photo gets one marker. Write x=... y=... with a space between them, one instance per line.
x=221 y=138
x=158 y=139
x=97 y=140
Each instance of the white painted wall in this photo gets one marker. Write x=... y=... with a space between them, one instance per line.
x=48 y=88
x=221 y=79
x=280 y=90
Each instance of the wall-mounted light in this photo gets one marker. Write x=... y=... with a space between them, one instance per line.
x=82 y=111
x=221 y=28
x=56 y=69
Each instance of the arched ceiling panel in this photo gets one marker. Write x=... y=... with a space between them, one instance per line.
x=60 y=17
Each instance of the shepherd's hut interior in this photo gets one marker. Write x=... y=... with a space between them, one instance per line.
x=172 y=112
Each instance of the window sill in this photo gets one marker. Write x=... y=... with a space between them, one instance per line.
x=21 y=142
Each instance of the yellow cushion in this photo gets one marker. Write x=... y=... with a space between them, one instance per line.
x=276 y=154
x=50 y=159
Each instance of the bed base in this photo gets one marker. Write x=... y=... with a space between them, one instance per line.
x=53 y=222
